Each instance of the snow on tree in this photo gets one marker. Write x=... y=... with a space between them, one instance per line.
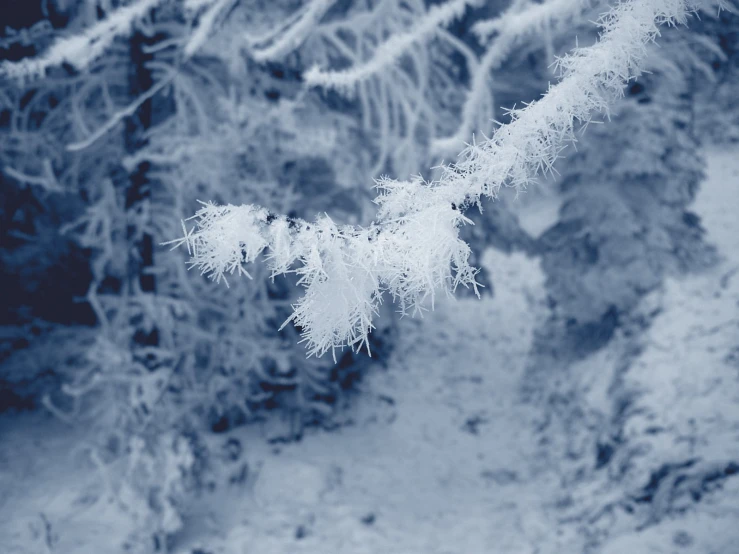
x=118 y=117
x=412 y=249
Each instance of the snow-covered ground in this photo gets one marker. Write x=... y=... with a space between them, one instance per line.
x=632 y=450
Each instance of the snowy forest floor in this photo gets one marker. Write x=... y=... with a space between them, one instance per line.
x=448 y=451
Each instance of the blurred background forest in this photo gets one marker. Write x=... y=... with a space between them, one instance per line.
x=143 y=372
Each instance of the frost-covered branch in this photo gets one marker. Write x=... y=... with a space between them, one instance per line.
x=290 y=35
x=511 y=27
x=388 y=55
x=119 y=116
x=80 y=50
x=205 y=25
x=413 y=248
x=390 y=51
x=345 y=269
x=517 y=21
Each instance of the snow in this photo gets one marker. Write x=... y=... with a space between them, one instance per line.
x=443 y=454
x=536 y=208
x=51 y=499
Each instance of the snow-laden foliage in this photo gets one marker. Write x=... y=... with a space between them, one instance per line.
x=344 y=269
x=116 y=117
x=413 y=249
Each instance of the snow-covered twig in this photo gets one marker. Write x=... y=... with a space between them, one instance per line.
x=390 y=51
x=345 y=269
x=119 y=116
x=82 y=49
x=205 y=26
x=512 y=27
x=518 y=21
x=413 y=248
x=288 y=37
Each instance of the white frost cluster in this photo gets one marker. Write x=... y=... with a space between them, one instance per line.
x=345 y=270
x=413 y=249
